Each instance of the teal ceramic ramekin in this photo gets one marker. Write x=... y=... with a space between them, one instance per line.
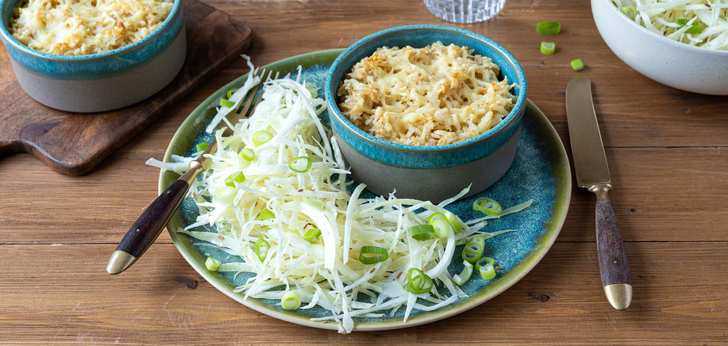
x=427 y=172
x=102 y=81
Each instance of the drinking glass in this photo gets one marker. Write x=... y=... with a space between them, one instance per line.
x=465 y=11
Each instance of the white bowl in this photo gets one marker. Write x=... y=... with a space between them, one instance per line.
x=669 y=62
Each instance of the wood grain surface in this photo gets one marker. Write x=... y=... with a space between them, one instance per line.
x=73 y=143
x=668 y=151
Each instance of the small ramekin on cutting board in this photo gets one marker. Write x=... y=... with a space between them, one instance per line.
x=102 y=81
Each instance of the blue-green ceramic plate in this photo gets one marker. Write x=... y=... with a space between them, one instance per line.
x=540 y=172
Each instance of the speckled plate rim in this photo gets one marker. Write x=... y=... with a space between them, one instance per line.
x=186 y=133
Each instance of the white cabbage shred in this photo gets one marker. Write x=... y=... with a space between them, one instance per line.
x=700 y=23
x=326 y=273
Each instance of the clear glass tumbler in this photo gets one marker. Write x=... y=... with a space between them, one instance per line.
x=465 y=11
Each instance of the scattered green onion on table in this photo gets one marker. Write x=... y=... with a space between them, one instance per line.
x=548 y=27
x=547 y=48
x=577 y=64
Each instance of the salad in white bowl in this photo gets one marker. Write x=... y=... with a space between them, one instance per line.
x=679 y=43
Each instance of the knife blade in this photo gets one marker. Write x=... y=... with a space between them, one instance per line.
x=587 y=148
x=592 y=173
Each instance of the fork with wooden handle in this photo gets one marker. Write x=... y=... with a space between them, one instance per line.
x=155 y=217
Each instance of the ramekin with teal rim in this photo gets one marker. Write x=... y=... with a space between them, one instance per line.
x=102 y=81
x=427 y=172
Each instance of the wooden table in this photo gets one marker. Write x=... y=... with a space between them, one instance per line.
x=668 y=151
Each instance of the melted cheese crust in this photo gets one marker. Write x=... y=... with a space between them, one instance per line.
x=79 y=27
x=435 y=95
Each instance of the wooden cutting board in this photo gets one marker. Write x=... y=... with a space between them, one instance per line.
x=73 y=143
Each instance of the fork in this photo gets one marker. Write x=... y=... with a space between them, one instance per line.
x=155 y=217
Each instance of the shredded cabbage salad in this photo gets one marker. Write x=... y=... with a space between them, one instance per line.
x=700 y=23
x=276 y=192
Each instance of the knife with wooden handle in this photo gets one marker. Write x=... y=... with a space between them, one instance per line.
x=592 y=173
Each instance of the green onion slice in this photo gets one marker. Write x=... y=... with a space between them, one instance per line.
x=266 y=214
x=629 y=11
x=372 y=254
x=290 y=301
x=682 y=22
x=212 y=264
x=226 y=103
x=577 y=64
x=464 y=276
x=247 y=154
x=441 y=225
x=422 y=232
x=487 y=206
x=312 y=234
x=201 y=146
x=261 y=248
x=232 y=179
x=418 y=282
x=454 y=220
x=697 y=28
x=261 y=137
x=548 y=48
x=474 y=249
x=548 y=27
x=231 y=92
x=486 y=268
x=300 y=164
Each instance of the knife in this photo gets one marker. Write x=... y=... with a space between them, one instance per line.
x=592 y=173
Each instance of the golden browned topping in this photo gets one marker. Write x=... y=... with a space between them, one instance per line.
x=78 y=27
x=434 y=95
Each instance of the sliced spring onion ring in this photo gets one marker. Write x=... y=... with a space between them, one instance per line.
x=212 y=264
x=630 y=11
x=487 y=206
x=261 y=248
x=300 y=164
x=548 y=48
x=548 y=27
x=454 y=220
x=230 y=93
x=418 y=282
x=290 y=301
x=697 y=28
x=486 y=268
x=577 y=64
x=247 y=154
x=465 y=274
x=226 y=103
x=372 y=254
x=266 y=214
x=201 y=146
x=422 y=232
x=236 y=178
x=261 y=137
x=312 y=234
x=474 y=249
x=441 y=225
